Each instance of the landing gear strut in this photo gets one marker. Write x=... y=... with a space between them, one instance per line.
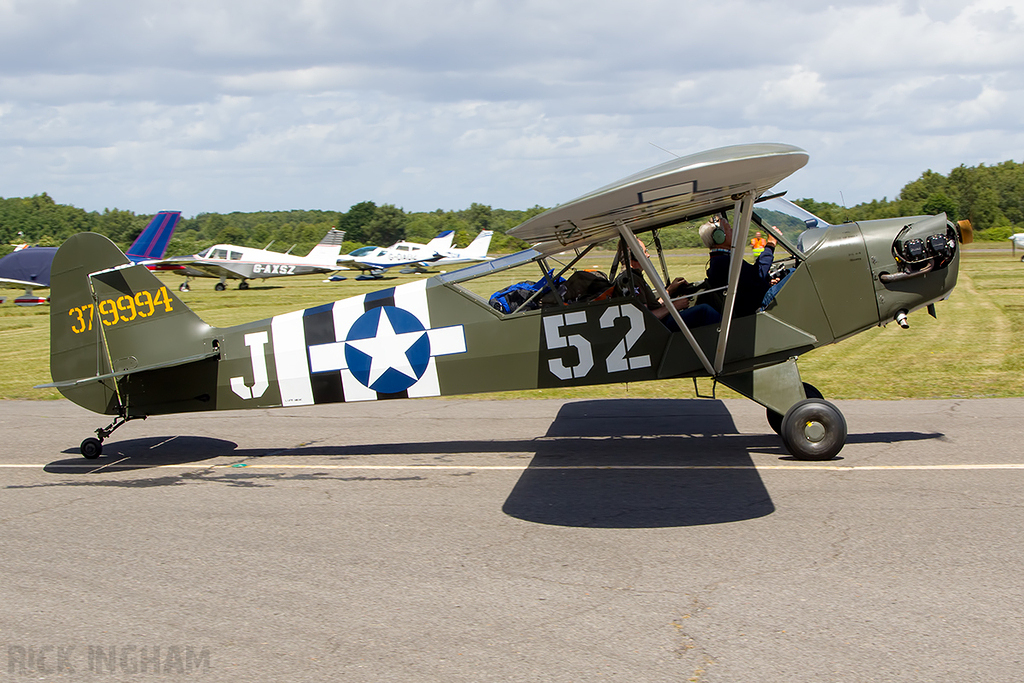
x=775 y=419
x=92 y=447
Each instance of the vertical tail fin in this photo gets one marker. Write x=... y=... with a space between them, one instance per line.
x=477 y=249
x=329 y=248
x=152 y=243
x=442 y=242
x=109 y=318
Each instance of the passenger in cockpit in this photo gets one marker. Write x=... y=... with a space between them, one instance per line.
x=630 y=282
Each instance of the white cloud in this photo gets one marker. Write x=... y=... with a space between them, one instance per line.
x=219 y=106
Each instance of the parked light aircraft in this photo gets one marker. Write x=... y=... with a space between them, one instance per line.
x=227 y=261
x=29 y=267
x=1017 y=240
x=414 y=257
x=123 y=345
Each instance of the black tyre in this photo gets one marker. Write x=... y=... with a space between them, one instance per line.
x=813 y=430
x=775 y=419
x=183 y=287
x=219 y=287
x=92 y=448
x=243 y=285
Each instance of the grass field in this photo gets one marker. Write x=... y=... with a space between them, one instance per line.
x=970 y=351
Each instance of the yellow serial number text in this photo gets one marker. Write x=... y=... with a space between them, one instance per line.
x=121 y=310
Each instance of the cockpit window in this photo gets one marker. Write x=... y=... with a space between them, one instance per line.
x=797 y=224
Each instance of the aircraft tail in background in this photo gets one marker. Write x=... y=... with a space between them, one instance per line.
x=443 y=242
x=477 y=249
x=329 y=248
x=152 y=243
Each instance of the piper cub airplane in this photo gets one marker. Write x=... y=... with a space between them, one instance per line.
x=123 y=345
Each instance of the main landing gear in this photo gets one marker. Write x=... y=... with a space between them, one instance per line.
x=92 y=447
x=812 y=429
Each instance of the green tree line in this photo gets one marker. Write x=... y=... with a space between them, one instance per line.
x=991 y=197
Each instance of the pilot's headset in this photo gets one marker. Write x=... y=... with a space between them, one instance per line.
x=718 y=234
x=712 y=234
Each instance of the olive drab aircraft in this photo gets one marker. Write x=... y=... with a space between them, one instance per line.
x=123 y=345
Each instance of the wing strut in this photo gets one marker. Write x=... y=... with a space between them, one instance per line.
x=743 y=209
x=659 y=286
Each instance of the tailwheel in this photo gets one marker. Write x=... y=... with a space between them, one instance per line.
x=813 y=429
x=92 y=448
x=775 y=419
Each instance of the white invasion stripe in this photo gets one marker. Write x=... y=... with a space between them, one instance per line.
x=413 y=298
x=290 y=359
x=428 y=384
x=347 y=312
x=833 y=468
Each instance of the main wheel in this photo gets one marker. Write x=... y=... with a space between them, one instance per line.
x=775 y=419
x=183 y=287
x=813 y=430
x=92 y=448
x=219 y=287
x=243 y=285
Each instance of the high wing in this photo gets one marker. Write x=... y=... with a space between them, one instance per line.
x=685 y=188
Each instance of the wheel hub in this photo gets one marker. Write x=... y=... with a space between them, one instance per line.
x=814 y=431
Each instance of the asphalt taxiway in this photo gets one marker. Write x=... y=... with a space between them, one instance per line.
x=460 y=540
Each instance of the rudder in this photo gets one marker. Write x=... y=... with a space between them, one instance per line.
x=110 y=319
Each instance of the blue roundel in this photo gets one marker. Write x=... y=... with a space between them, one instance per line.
x=401 y=357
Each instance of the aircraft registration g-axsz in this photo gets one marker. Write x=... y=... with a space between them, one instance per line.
x=122 y=344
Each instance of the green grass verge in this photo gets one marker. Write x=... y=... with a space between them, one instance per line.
x=970 y=351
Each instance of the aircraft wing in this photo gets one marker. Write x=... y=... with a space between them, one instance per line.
x=689 y=187
x=10 y=283
x=247 y=270
x=209 y=268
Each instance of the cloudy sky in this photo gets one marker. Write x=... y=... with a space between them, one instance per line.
x=222 y=105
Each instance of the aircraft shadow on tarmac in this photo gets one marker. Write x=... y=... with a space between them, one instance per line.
x=612 y=463
x=145 y=453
